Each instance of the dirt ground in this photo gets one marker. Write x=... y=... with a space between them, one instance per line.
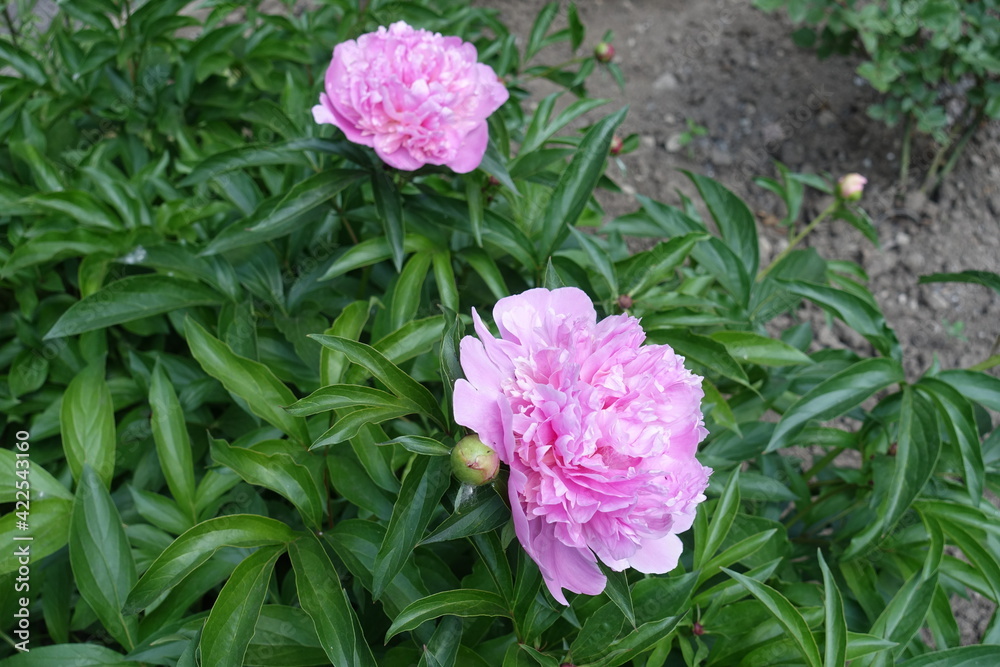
x=735 y=71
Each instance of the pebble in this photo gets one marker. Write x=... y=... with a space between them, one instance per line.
x=826 y=118
x=674 y=143
x=666 y=81
x=721 y=158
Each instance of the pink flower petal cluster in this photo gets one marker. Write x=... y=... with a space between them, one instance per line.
x=599 y=432
x=416 y=97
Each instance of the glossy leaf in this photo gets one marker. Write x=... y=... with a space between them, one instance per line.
x=130 y=299
x=324 y=599
x=576 y=184
x=756 y=349
x=464 y=603
x=173 y=446
x=87 y=424
x=398 y=382
x=276 y=471
x=230 y=624
x=787 y=615
x=423 y=486
x=101 y=557
x=197 y=545
x=835 y=396
x=248 y=379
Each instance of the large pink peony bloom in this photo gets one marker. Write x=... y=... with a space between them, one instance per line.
x=599 y=433
x=416 y=97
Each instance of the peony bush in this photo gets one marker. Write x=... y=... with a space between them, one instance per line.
x=258 y=413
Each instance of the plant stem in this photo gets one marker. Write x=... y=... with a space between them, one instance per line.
x=798 y=239
x=970 y=129
x=904 y=160
x=571 y=61
x=10 y=25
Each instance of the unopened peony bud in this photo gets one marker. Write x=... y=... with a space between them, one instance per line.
x=851 y=186
x=473 y=462
x=698 y=629
x=617 y=144
x=625 y=302
x=604 y=52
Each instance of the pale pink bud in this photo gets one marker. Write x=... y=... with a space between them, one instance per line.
x=851 y=186
x=473 y=462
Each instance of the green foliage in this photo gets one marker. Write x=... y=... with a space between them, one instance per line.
x=230 y=339
x=923 y=54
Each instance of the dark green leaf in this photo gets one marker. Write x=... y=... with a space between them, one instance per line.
x=325 y=600
x=987 y=278
x=464 y=603
x=87 y=424
x=197 y=545
x=250 y=380
x=835 y=625
x=423 y=486
x=173 y=446
x=485 y=512
x=835 y=396
x=386 y=372
x=733 y=218
x=230 y=624
x=576 y=184
x=389 y=203
x=787 y=615
x=755 y=349
x=101 y=557
x=280 y=473
x=131 y=299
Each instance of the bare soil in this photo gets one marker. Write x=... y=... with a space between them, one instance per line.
x=735 y=71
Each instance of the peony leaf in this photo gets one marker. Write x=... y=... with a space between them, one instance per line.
x=197 y=545
x=965 y=656
x=423 y=486
x=464 y=603
x=230 y=624
x=389 y=203
x=101 y=557
x=835 y=396
x=786 y=614
x=324 y=599
x=985 y=278
x=173 y=445
x=835 y=624
x=576 y=184
x=250 y=380
x=734 y=219
x=386 y=372
x=959 y=420
x=485 y=512
x=761 y=350
x=87 y=424
x=918 y=448
x=131 y=299
x=280 y=473
x=902 y=617
x=281 y=214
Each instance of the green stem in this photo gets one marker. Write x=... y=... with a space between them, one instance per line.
x=555 y=68
x=959 y=149
x=904 y=161
x=798 y=239
x=10 y=25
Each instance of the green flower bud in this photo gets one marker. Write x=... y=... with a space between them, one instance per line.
x=472 y=462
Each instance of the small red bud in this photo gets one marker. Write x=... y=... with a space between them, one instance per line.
x=617 y=144
x=493 y=181
x=892 y=449
x=625 y=302
x=604 y=52
x=698 y=629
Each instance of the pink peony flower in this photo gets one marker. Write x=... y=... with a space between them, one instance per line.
x=851 y=186
x=416 y=97
x=599 y=433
